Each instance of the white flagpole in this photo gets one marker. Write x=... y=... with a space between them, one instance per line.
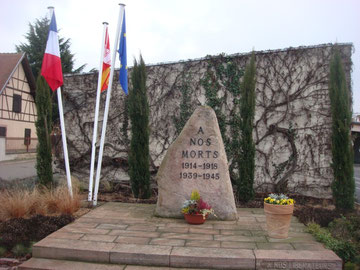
x=98 y=92
x=108 y=96
x=63 y=135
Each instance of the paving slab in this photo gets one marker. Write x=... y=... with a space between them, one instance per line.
x=69 y=249
x=112 y=226
x=134 y=233
x=141 y=254
x=308 y=246
x=168 y=242
x=66 y=235
x=99 y=238
x=241 y=238
x=132 y=240
x=123 y=234
x=236 y=232
x=197 y=243
x=77 y=229
x=190 y=236
x=174 y=229
x=277 y=246
x=140 y=267
x=215 y=258
x=203 y=230
x=50 y=264
x=239 y=245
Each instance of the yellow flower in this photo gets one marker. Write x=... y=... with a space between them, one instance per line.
x=195 y=195
x=185 y=210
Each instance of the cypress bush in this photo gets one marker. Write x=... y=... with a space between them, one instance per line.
x=43 y=129
x=246 y=158
x=343 y=186
x=139 y=145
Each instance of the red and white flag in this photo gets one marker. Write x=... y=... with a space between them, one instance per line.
x=106 y=63
x=51 y=66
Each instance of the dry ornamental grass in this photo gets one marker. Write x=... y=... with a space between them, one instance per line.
x=40 y=201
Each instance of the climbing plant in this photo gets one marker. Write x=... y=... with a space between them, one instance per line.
x=223 y=71
x=284 y=169
x=185 y=103
x=291 y=88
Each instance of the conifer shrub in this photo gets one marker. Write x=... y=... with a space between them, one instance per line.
x=246 y=158
x=139 y=157
x=343 y=186
x=43 y=130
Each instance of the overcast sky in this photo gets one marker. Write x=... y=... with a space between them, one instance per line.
x=172 y=30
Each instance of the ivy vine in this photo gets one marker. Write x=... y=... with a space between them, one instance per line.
x=185 y=103
x=284 y=169
x=223 y=71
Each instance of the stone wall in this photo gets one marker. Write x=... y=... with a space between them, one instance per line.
x=292 y=125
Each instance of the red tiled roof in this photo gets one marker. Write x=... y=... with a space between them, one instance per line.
x=8 y=64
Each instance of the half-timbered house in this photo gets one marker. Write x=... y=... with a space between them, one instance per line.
x=17 y=107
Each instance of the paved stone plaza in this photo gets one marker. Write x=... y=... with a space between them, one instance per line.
x=128 y=236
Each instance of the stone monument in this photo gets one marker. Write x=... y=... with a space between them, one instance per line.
x=196 y=160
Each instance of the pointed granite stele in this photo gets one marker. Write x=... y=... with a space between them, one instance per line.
x=196 y=160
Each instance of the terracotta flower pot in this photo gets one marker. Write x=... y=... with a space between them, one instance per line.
x=278 y=219
x=194 y=218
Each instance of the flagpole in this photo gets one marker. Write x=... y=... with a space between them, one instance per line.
x=108 y=96
x=98 y=92
x=63 y=135
x=61 y=111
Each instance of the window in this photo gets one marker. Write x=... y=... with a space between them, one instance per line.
x=2 y=131
x=27 y=136
x=16 y=103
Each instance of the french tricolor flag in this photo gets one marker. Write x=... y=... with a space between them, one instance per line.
x=51 y=66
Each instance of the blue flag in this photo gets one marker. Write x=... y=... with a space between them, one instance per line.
x=123 y=61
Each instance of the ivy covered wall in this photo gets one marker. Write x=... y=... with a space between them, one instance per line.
x=292 y=115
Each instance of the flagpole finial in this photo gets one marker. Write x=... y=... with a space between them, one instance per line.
x=106 y=23
x=121 y=4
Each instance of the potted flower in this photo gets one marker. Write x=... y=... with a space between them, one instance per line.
x=278 y=211
x=196 y=210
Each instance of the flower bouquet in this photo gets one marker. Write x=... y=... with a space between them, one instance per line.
x=279 y=199
x=196 y=210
